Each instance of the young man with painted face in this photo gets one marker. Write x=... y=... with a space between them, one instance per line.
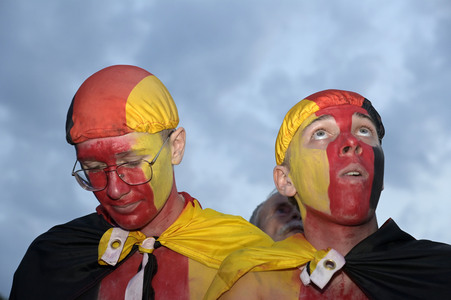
x=277 y=216
x=329 y=157
x=146 y=239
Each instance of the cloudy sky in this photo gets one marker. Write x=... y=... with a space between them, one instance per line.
x=234 y=69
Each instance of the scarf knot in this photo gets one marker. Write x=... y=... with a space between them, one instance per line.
x=323 y=266
x=116 y=244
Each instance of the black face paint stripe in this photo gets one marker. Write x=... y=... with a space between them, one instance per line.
x=378 y=179
x=376 y=117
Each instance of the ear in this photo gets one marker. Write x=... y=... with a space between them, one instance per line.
x=178 y=139
x=283 y=181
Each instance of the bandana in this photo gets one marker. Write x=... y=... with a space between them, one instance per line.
x=313 y=103
x=118 y=100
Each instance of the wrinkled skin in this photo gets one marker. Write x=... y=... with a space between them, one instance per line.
x=279 y=218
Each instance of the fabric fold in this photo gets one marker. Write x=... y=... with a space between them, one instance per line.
x=389 y=264
x=64 y=261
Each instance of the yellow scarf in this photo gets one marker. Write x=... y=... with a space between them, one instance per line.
x=204 y=235
x=292 y=252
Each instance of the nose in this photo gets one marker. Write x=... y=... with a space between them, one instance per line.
x=295 y=214
x=350 y=145
x=116 y=187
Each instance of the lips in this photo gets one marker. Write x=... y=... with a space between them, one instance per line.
x=295 y=229
x=353 y=170
x=353 y=173
x=293 y=226
x=126 y=208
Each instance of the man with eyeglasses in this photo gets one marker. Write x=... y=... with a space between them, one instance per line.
x=146 y=240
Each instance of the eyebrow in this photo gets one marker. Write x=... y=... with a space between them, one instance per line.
x=363 y=116
x=326 y=117
x=122 y=154
x=137 y=152
x=320 y=118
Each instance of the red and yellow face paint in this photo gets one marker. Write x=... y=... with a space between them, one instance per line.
x=309 y=172
x=336 y=162
x=131 y=206
x=114 y=118
x=356 y=163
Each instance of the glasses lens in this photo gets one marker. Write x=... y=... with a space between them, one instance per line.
x=91 y=179
x=134 y=173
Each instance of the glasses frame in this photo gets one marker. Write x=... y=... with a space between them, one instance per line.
x=105 y=171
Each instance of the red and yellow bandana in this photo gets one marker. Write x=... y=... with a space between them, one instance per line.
x=313 y=103
x=118 y=100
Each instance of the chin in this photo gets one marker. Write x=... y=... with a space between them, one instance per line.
x=128 y=226
x=353 y=219
x=135 y=219
x=354 y=207
x=131 y=223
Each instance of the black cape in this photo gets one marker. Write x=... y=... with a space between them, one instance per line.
x=391 y=264
x=62 y=263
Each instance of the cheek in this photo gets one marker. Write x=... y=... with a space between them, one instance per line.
x=355 y=199
x=310 y=174
x=137 y=174
x=97 y=178
x=270 y=227
x=162 y=181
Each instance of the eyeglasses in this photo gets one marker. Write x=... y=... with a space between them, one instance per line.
x=96 y=179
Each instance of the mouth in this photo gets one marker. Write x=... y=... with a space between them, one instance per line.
x=296 y=229
x=126 y=208
x=354 y=171
x=293 y=227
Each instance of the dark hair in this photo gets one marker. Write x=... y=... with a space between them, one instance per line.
x=255 y=214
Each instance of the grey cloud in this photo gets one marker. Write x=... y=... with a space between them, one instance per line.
x=234 y=68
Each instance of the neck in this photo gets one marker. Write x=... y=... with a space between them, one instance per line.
x=323 y=233
x=167 y=215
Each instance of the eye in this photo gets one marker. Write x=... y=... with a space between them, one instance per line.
x=94 y=171
x=283 y=209
x=93 y=166
x=133 y=164
x=319 y=134
x=365 y=131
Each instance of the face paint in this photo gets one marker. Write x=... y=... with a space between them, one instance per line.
x=131 y=207
x=162 y=179
x=309 y=172
x=337 y=166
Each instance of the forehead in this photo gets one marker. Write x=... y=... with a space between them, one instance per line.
x=135 y=141
x=346 y=111
x=338 y=113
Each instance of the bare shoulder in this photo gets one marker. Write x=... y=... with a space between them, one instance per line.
x=283 y=284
